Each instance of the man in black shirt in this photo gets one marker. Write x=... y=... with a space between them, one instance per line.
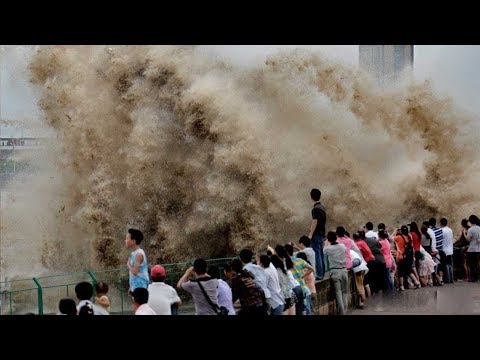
x=317 y=232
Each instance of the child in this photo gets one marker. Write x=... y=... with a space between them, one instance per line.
x=426 y=268
x=101 y=298
x=137 y=261
x=67 y=306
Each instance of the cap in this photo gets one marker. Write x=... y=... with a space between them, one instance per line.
x=157 y=270
x=404 y=227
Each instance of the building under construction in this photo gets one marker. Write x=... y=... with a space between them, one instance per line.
x=387 y=63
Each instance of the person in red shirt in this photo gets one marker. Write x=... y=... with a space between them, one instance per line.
x=416 y=238
x=404 y=261
x=367 y=256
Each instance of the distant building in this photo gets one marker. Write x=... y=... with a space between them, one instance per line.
x=387 y=63
x=17 y=156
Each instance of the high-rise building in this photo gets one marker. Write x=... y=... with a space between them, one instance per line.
x=21 y=132
x=387 y=63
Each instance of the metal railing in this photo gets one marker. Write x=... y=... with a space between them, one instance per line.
x=41 y=295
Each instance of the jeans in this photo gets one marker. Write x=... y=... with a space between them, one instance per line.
x=448 y=275
x=277 y=311
x=300 y=304
x=389 y=279
x=317 y=246
x=308 y=305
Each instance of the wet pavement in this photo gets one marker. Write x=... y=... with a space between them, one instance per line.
x=187 y=308
x=460 y=298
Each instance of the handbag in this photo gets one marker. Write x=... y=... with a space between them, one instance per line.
x=219 y=310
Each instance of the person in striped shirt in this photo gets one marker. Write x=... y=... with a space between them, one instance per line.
x=439 y=246
x=299 y=274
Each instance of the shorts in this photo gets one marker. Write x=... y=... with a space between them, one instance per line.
x=359 y=278
x=404 y=268
x=288 y=304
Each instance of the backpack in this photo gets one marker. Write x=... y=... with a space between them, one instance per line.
x=250 y=289
x=408 y=253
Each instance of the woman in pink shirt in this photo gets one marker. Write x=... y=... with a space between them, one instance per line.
x=364 y=249
x=342 y=239
x=386 y=252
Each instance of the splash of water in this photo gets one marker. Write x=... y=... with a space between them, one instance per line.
x=207 y=158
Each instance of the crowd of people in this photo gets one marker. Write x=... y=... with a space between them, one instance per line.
x=281 y=280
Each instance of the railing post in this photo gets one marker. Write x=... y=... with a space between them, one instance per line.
x=40 y=296
x=94 y=279
x=3 y=295
x=121 y=299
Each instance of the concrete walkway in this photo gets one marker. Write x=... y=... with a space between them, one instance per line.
x=460 y=298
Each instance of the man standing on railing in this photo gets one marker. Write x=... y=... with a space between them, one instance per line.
x=317 y=232
x=137 y=262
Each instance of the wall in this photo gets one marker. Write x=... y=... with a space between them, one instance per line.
x=324 y=301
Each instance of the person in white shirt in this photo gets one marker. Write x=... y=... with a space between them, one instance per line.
x=432 y=248
x=276 y=300
x=473 y=254
x=448 y=250
x=258 y=272
x=369 y=233
x=140 y=302
x=84 y=292
x=224 y=291
x=161 y=296
x=360 y=269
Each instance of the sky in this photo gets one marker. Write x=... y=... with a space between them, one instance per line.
x=452 y=68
